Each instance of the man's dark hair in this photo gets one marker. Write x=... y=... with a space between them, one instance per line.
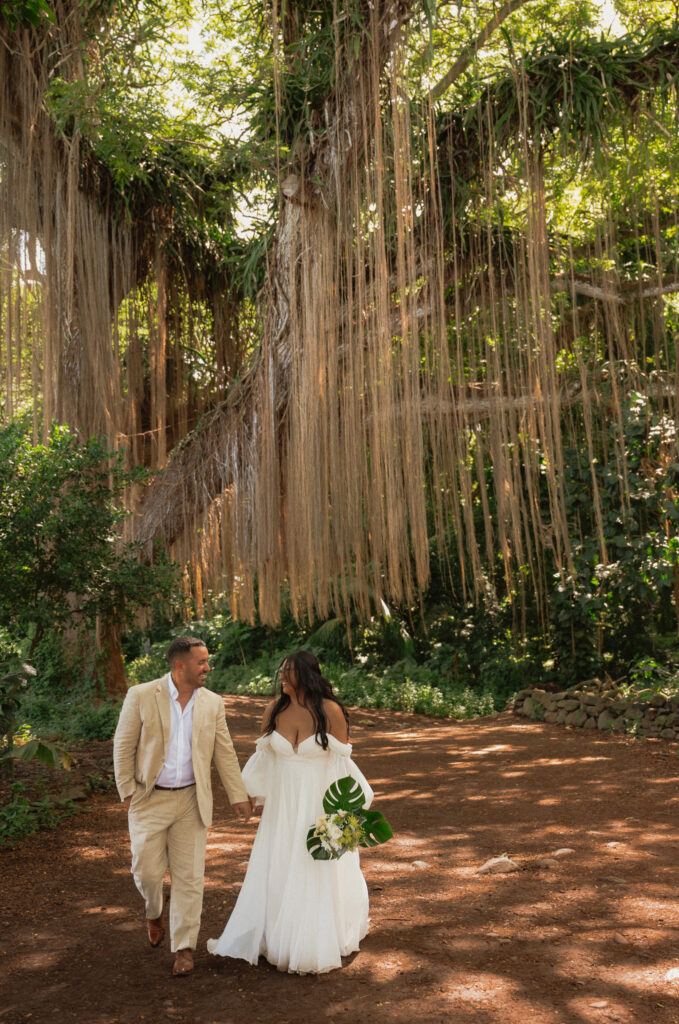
x=182 y=645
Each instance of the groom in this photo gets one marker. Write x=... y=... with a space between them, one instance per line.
x=169 y=732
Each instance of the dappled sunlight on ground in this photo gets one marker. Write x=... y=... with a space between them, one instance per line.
x=588 y=940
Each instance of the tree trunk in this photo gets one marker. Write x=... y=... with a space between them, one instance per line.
x=115 y=680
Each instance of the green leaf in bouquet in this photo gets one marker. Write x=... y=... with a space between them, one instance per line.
x=313 y=845
x=343 y=795
x=376 y=827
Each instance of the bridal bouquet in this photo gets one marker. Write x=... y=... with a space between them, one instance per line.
x=345 y=824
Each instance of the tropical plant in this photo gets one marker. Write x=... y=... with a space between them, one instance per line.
x=13 y=680
x=62 y=562
x=24 y=814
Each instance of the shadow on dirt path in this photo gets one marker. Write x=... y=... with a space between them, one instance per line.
x=589 y=941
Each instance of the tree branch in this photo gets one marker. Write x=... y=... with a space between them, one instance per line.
x=630 y=291
x=467 y=56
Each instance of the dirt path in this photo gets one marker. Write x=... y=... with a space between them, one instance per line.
x=588 y=941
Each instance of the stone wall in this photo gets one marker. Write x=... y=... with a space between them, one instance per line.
x=595 y=706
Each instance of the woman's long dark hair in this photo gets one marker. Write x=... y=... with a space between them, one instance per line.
x=312 y=689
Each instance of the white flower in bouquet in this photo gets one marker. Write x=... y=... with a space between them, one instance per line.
x=338 y=833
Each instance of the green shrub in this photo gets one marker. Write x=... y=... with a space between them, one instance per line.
x=98 y=783
x=404 y=686
x=148 y=666
x=232 y=646
x=91 y=721
x=256 y=679
x=23 y=816
x=9 y=646
x=53 y=496
x=74 y=720
x=444 y=684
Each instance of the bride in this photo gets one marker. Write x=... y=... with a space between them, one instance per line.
x=302 y=914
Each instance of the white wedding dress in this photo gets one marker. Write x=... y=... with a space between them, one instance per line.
x=303 y=915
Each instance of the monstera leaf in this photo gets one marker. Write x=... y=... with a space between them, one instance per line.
x=376 y=827
x=343 y=795
x=347 y=796
x=313 y=845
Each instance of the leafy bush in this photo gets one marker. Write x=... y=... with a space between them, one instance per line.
x=75 y=719
x=404 y=686
x=98 y=783
x=150 y=665
x=61 y=560
x=468 y=675
x=9 y=646
x=259 y=677
x=650 y=675
x=83 y=721
x=235 y=642
x=234 y=647
x=23 y=815
x=231 y=645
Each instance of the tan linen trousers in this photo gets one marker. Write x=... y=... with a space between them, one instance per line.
x=166 y=831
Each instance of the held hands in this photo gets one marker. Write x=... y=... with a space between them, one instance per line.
x=243 y=810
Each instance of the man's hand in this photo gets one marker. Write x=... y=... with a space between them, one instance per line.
x=242 y=810
x=127 y=801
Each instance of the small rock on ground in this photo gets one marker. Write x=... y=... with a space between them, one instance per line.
x=498 y=866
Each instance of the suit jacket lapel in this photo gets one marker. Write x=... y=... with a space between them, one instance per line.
x=163 y=703
x=198 y=713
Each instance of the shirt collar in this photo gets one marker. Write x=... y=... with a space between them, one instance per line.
x=174 y=692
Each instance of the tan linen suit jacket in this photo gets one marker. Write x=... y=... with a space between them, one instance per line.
x=142 y=738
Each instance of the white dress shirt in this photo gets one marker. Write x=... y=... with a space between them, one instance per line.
x=178 y=767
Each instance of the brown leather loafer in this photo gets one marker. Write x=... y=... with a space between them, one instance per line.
x=183 y=962
x=155 y=929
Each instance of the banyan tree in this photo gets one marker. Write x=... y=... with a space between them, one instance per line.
x=463 y=276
